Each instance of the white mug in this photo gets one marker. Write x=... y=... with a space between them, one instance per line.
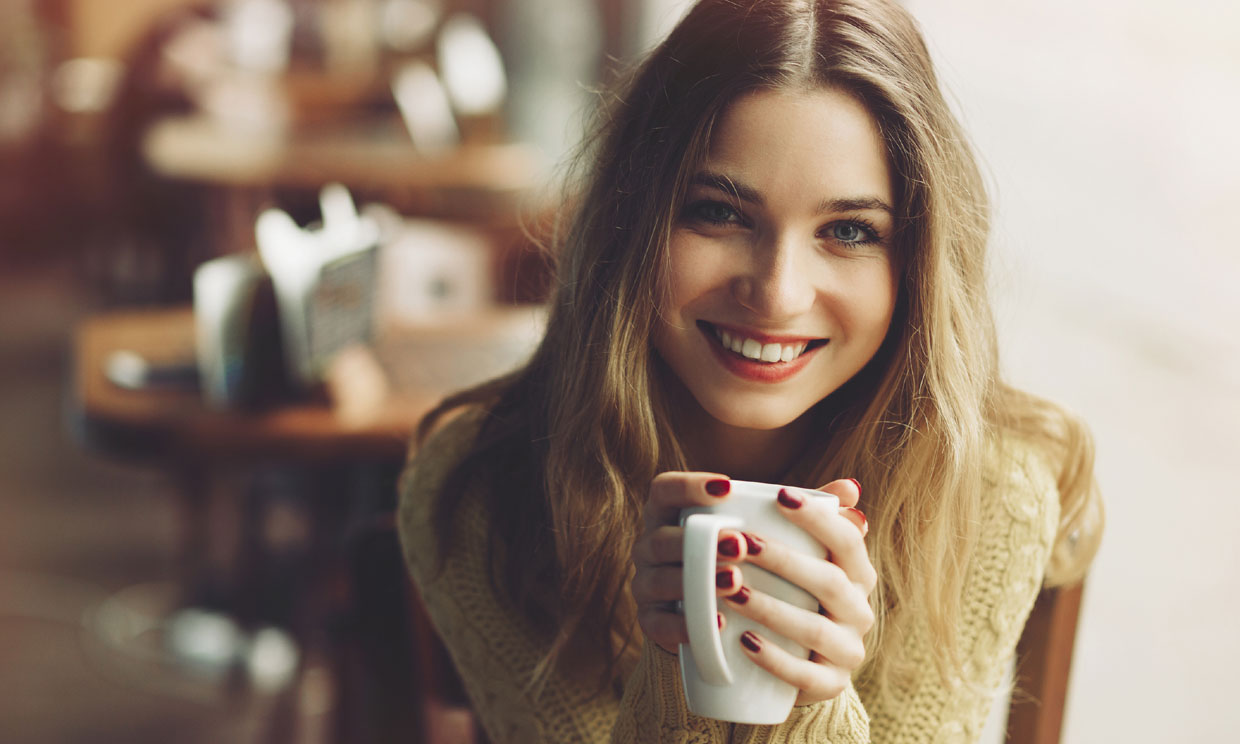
x=720 y=680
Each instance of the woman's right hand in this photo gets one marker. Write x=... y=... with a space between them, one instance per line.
x=658 y=581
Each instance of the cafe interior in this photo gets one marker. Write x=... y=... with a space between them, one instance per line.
x=245 y=244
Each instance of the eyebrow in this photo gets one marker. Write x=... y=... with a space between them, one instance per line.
x=749 y=194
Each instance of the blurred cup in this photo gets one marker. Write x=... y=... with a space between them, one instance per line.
x=224 y=292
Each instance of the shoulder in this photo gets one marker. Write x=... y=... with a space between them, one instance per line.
x=1020 y=518
x=423 y=479
x=1020 y=483
x=429 y=464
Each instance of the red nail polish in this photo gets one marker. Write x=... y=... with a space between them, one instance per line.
x=741 y=596
x=753 y=545
x=724 y=579
x=856 y=483
x=859 y=513
x=750 y=641
x=718 y=487
x=790 y=500
x=729 y=547
x=719 y=619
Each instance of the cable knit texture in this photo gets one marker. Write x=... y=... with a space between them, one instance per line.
x=495 y=652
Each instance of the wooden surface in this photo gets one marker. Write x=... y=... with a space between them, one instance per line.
x=177 y=423
x=375 y=155
x=1044 y=661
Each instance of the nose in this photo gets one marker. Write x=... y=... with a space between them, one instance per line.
x=776 y=284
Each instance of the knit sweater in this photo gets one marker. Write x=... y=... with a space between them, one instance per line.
x=495 y=650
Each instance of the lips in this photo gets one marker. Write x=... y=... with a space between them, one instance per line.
x=759 y=357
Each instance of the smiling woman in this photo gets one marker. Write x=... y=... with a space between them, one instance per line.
x=782 y=246
x=775 y=272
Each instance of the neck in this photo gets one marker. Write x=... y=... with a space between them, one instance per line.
x=710 y=445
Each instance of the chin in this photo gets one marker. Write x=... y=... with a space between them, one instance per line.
x=758 y=415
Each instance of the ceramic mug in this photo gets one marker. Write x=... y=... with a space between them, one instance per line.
x=720 y=680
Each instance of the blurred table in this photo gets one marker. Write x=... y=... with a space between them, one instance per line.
x=176 y=425
x=481 y=181
x=350 y=606
x=363 y=153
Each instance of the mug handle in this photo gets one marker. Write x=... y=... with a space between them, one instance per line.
x=701 y=539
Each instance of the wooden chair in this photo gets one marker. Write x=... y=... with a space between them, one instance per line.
x=1043 y=663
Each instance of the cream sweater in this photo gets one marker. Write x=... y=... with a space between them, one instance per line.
x=495 y=651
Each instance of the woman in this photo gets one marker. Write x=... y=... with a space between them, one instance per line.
x=775 y=272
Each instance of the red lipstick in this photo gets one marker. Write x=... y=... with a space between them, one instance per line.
x=753 y=370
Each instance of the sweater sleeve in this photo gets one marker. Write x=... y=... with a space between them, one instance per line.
x=1004 y=577
x=495 y=651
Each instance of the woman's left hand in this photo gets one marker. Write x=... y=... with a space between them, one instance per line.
x=842 y=584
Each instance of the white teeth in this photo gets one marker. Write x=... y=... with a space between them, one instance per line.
x=756 y=350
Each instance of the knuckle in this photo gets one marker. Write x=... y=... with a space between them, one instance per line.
x=867 y=619
x=832 y=688
x=853 y=656
x=664 y=478
x=821 y=637
x=667 y=583
x=639 y=586
x=668 y=544
x=834 y=583
x=641 y=550
x=808 y=677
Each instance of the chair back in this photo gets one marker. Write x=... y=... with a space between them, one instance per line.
x=1043 y=663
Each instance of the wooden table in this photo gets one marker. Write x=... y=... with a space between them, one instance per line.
x=359 y=153
x=175 y=424
x=481 y=182
x=352 y=568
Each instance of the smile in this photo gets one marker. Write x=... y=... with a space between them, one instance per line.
x=759 y=357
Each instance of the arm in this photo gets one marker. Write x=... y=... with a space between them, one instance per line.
x=495 y=651
x=1021 y=518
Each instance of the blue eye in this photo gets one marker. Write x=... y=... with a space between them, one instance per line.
x=852 y=232
x=847 y=232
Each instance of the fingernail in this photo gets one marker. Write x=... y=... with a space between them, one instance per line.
x=856 y=483
x=719 y=619
x=750 y=641
x=753 y=545
x=865 y=527
x=729 y=547
x=741 y=596
x=724 y=579
x=790 y=500
x=718 y=487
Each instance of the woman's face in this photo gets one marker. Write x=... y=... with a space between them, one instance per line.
x=782 y=279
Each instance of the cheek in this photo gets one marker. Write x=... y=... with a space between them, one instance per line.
x=872 y=300
x=692 y=266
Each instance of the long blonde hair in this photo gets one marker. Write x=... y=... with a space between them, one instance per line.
x=572 y=440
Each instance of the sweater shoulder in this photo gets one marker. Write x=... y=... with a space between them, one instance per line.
x=422 y=480
x=1021 y=486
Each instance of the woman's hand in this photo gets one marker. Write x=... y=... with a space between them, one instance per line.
x=658 y=581
x=842 y=584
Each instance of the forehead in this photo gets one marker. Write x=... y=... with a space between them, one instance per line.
x=822 y=139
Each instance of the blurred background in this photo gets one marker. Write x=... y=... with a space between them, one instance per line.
x=244 y=243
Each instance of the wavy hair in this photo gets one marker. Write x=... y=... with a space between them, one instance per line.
x=572 y=440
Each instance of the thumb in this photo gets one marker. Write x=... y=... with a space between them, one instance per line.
x=847 y=490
